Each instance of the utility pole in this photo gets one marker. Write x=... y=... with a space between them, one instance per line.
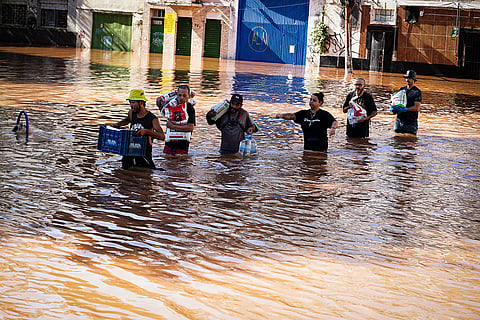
x=348 y=38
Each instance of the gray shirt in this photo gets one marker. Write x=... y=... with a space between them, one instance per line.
x=233 y=126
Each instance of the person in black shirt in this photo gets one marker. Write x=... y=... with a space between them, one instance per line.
x=407 y=118
x=145 y=123
x=315 y=123
x=360 y=129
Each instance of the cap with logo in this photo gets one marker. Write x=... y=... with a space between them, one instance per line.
x=411 y=74
x=237 y=98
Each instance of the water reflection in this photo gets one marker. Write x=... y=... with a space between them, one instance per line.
x=394 y=219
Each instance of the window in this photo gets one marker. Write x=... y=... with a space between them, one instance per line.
x=15 y=14
x=383 y=15
x=158 y=13
x=54 y=18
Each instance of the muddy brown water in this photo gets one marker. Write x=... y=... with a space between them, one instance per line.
x=386 y=228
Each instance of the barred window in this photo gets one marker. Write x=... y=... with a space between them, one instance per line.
x=15 y=14
x=54 y=18
x=383 y=15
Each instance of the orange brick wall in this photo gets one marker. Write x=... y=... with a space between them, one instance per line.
x=430 y=39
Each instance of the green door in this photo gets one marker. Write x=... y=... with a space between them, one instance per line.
x=184 y=36
x=156 y=36
x=213 y=30
x=112 y=32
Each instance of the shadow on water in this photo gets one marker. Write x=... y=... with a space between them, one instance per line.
x=394 y=219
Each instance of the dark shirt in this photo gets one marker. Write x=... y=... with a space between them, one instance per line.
x=233 y=126
x=137 y=123
x=410 y=118
x=360 y=129
x=314 y=128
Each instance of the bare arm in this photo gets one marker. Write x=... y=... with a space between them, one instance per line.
x=333 y=128
x=286 y=116
x=180 y=127
x=156 y=132
x=415 y=107
x=122 y=122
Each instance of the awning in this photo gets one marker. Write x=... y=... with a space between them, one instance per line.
x=472 y=5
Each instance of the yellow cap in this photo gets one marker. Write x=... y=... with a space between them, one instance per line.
x=137 y=94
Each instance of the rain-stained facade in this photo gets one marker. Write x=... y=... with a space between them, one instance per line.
x=436 y=37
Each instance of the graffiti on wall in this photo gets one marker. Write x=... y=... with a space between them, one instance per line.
x=337 y=44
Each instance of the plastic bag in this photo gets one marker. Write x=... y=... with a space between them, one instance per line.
x=399 y=98
x=220 y=109
x=168 y=97
x=355 y=113
x=248 y=146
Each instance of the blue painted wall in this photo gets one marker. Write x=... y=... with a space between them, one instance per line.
x=273 y=31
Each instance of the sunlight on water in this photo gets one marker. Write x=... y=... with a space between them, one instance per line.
x=385 y=228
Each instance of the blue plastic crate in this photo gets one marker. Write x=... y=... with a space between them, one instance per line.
x=121 y=141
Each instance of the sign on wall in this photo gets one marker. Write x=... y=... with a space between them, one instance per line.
x=273 y=31
x=170 y=20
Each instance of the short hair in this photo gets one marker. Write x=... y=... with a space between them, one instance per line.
x=364 y=82
x=184 y=86
x=319 y=95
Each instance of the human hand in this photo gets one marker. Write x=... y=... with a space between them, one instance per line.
x=332 y=131
x=362 y=119
x=397 y=109
x=140 y=132
x=211 y=114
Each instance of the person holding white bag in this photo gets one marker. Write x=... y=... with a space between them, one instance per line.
x=407 y=116
x=361 y=108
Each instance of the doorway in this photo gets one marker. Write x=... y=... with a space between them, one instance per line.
x=469 y=53
x=380 y=45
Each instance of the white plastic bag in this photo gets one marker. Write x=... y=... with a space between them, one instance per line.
x=355 y=113
x=165 y=98
x=399 y=98
x=248 y=146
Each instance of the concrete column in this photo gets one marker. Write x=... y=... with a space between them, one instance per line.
x=198 y=40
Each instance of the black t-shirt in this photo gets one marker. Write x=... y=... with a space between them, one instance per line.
x=145 y=122
x=360 y=129
x=410 y=117
x=314 y=128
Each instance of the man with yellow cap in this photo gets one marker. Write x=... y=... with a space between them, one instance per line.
x=145 y=123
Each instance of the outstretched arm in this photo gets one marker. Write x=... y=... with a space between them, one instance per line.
x=286 y=116
x=122 y=122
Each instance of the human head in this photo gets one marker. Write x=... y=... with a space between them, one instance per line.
x=410 y=78
x=236 y=101
x=183 y=93
x=360 y=85
x=316 y=100
x=410 y=74
x=137 y=99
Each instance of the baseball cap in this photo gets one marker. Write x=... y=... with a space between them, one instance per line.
x=411 y=74
x=237 y=98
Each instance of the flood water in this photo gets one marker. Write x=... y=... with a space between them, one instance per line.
x=386 y=228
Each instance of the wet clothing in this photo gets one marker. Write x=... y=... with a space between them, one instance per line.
x=314 y=128
x=360 y=129
x=181 y=146
x=233 y=125
x=141 y=161
x=407 y=122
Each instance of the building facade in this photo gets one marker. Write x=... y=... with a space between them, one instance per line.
x=432 y=37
